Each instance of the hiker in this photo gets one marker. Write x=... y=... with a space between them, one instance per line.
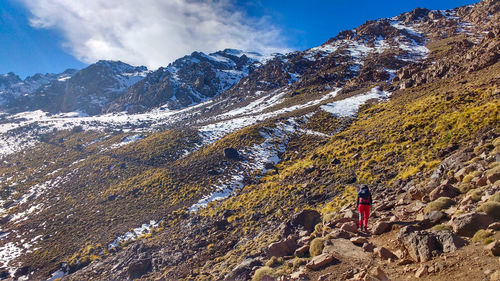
x=363 y=203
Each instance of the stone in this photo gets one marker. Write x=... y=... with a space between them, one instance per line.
x=494 y=248
x=349 y=226
x=138 y=267
x=449 y=241
x=400 y=254
x=302 y=251
x=420 y=245
x=231 y=153
x=243 y=271
x=381 y=227
x=494 y=226
x=384 y=253
x=405 y=262
x=446 y=190
x=421 y=271
x=304 y=220
x=368 y=247
x=359 y=240
x=434 y=217
x=350 y=214
x=299 y=275
x=460 y=174
x=282 y=248
x=493 y=175
x=325 y=276
x=304 y=241
x=378 y=273
x=339 y=233
x=469 y=224
x=321 y=261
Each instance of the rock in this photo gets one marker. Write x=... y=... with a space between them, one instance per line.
x=381 y=227
x=325 y=277
x=400 y=254
x=434 y=217
x=384 y=253
x=493 y=175
x=350 y=214
x=304 y=220
x=299 y=275
x=378 y=273
x=469 y=224
x=359 y=240
x=282 y=248
x=385 y=206
x=22 y=271
x=368 y=247
x=420 y=245
x=138 y=267
x=405 y=262
x=459 y=176
x=243 y=271
x=494 y=226
x=421 y=271
x=304 y=241
x=339 y=233
x=302 y=251
x=445 y=190
x=231 y=153
x=449 y=241
x=349 y=226
x=321 y=261
x=494 y=248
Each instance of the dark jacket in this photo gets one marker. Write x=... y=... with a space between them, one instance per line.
x=364 y=196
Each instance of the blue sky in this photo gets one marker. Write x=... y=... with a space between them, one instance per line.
x=58 y=37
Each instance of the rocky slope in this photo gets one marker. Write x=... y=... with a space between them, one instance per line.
x=260 y=179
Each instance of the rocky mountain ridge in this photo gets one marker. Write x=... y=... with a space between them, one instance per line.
x=260 y=179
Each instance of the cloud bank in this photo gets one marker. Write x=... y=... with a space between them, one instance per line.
x=152 y=32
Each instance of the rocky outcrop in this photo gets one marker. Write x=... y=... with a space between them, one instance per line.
x=469 y=224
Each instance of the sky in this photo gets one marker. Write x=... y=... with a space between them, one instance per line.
x=40 y=36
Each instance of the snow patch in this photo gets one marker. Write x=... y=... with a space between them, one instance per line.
x=349 y=107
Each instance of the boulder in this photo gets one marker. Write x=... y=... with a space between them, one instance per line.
x=469 y=224
x=494 y=248
x=339 y=233
x=282 y=248
x=420 y=245
x=302 y=251
x=359 y=240
x=381 y=227
x=494 y=226
x=231 y=153
x=350 y=214
x=321 y=261
x=304 y=220
x=243 y=271
x=445 y=190
x=138 y=267
x=349 y=226
x=493 y=175
x=384 y=253
x=449 y=241
x=368 y=247
x=434 y=217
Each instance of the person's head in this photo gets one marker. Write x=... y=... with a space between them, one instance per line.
x=363 y=187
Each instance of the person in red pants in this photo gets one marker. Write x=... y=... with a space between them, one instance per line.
x=363 y=204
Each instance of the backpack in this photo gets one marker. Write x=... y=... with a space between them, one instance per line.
x=364 y=197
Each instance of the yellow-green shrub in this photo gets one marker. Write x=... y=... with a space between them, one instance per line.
x=495 y=197
x=481 y=235
x=261 y=272
x=475 y=194
x=442 y=227
x=491 y=208
x=439 y=204
x=317 y=245
x=465 y=187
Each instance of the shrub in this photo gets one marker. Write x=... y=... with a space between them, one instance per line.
x=298 y=262
x=465 y=187
x=261 y=272
x=442 y=227
x=274 y=261
x=491 y=208
x=317 y=245
x=481 y=235
x=475 y=194
x=439 y=204
x=495 y=198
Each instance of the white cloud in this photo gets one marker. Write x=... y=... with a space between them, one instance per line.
x=152 y=32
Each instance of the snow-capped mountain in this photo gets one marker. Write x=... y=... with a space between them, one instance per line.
x=188 y=81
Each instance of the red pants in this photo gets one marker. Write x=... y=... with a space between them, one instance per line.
x=364 y=214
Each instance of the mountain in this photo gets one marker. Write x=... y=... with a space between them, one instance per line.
x=188 y=81
x=187 y=180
